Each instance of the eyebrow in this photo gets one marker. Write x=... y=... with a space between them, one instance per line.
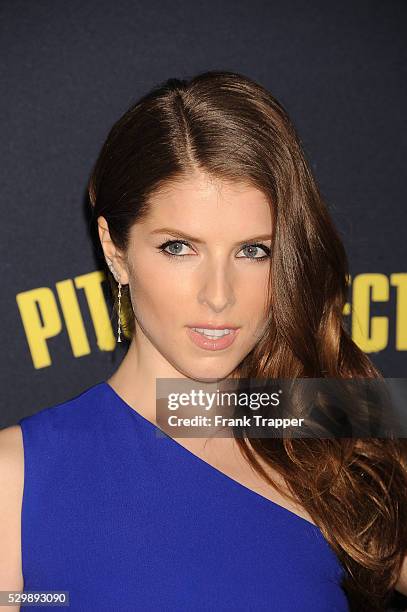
x=178 y=234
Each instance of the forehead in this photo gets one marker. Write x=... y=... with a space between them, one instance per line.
x=202 y=201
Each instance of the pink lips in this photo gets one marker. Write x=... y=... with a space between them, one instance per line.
x=212 y=344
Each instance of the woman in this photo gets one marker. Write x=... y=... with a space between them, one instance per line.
x=209 y=217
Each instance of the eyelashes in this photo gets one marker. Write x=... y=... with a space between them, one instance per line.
x=256 y=245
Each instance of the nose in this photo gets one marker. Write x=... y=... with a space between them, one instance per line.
x=216 y=290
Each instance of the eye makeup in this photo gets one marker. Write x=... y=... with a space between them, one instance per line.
x=162 y=248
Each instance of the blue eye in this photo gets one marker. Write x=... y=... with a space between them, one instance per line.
x=247 y=247
x=256 y=247
x=171 y=243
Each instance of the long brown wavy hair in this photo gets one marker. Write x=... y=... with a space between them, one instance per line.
x=232 y=128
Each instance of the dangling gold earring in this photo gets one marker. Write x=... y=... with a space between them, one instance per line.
x=119 y=313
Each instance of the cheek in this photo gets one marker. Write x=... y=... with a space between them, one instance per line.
x=157 y=295
x=159 y=277
x=252 y=297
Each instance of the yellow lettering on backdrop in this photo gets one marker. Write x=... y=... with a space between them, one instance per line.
x=365 y=289
x=41 y=321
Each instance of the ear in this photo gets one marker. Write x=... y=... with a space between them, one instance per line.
x=114 y=258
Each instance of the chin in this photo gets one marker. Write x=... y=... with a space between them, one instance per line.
x=211 y=373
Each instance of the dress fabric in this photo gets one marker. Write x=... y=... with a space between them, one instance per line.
x=123 y=517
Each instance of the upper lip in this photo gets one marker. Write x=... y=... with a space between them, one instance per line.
x=209 y=326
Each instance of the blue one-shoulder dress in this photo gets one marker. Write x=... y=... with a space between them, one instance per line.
x=123 y=518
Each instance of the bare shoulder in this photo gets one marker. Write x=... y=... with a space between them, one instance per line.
x=11 y=495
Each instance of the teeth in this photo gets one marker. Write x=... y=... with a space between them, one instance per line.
x=212 y=333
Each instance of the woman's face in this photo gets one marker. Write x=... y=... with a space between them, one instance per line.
x=200 y=259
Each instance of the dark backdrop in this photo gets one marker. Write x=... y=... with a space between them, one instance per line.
x=70 y=69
